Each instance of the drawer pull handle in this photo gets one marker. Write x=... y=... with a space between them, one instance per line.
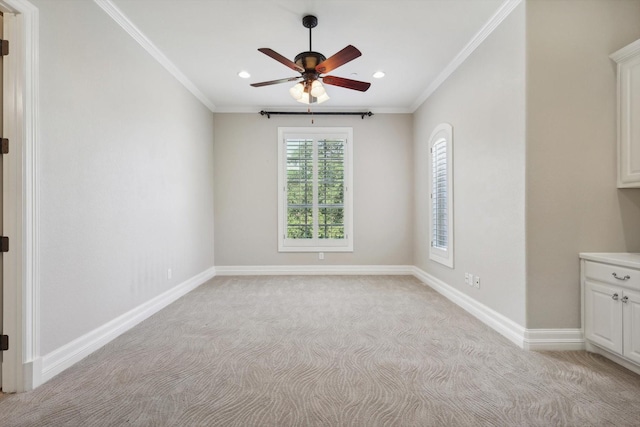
x=625 y=299
x=614 y=297
x=627 y=277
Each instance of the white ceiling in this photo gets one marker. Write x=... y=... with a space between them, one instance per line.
x=209 y=41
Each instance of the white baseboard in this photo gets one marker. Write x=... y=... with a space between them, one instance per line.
x=69 y=354
x=32 y=374
x=528 y=339
x=46 y=367
x=553 y=339
x=287 y=270
x=506 y=327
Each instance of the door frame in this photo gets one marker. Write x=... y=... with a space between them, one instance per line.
x=21 y=367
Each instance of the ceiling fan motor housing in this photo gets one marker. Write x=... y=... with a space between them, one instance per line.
x=309 y=60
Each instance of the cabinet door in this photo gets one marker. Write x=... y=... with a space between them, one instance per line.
x=631 y=324
x=603 y=316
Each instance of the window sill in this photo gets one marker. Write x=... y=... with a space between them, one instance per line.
x=315 y=249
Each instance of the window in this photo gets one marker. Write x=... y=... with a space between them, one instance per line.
x=315 y=196
x=441 y=197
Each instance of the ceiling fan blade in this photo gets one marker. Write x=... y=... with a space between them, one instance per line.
x=275 y=55
x=346 y=83
x=275 y=82
x=347 y=54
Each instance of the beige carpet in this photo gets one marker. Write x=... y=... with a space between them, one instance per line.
x=325 y=351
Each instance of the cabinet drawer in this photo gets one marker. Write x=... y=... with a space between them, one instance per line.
x=612 y=274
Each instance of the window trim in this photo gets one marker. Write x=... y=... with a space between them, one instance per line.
x=315 y=244
x=442 y=132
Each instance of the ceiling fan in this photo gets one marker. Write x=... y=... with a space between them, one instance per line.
x=311 y=65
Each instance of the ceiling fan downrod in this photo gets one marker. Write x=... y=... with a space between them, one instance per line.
x=310 y=22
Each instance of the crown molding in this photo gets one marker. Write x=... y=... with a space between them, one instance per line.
x=130 y=28
x=121 y=19
x=501 y=14
x=626 y=52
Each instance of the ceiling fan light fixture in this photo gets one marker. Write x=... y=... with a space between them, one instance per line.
x=378 y=74
x=317 y=89
x=322 y=98
x=297 y=91
x=306 y=99
x=244 y=74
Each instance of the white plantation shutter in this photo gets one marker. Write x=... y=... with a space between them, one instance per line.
x=315 y=198
x=441 y=197
x=439 y=182
x=331 y=188
x=299 y=189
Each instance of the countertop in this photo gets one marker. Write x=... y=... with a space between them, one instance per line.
x=624 y=259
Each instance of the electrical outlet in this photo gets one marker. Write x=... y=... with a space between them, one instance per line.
x=476 y=282
x=320 y=255
x=169 y=274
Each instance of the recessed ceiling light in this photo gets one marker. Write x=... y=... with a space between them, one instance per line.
x=244 y=74
x=378 y=74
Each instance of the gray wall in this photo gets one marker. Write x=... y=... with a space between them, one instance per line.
x=567 y=148
x=126 y=178
x=572 y=202
x=128 y=171
x=246 y=174
x=484 y=102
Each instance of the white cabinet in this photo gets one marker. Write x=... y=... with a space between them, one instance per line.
x=603 y=316
x=631 y=322
x=610 y=285
x=628 y=60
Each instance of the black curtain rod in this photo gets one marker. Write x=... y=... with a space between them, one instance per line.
x=319 y=113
